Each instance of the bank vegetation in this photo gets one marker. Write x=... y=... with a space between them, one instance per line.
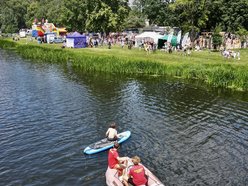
x=205 y=66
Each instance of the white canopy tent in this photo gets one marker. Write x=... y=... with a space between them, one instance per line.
x=147 y=37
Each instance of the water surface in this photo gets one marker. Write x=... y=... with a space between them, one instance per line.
x=184 y=133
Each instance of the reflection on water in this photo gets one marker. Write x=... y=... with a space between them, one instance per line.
x=185 y=134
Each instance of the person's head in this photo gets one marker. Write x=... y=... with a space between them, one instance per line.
x=136 y=160
x=113 y=125
x=116 y=145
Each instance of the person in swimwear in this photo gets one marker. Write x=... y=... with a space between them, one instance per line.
x=111 y=133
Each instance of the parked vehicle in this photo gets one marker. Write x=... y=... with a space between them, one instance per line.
x=22 y=33
x=58 y=40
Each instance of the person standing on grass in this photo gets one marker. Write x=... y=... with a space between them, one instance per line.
x=238 y=55
x=109 y=44
x=122 y=43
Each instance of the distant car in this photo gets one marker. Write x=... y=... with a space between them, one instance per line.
x=58 y=40
x=22 y=33
x=29 y=32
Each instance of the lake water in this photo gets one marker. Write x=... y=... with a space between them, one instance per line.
x=186 y=134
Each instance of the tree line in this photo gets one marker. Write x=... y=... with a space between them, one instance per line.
x=116 y=15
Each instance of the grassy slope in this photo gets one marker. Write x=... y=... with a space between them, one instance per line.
x=197 y=57
x=210 y=67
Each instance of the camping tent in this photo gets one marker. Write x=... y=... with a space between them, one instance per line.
x=76 y=40
x=147 y=36
x=164 y=39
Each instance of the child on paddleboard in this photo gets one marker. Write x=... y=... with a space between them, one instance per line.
x=111 y=133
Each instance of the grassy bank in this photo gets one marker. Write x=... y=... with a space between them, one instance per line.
x=208 y=67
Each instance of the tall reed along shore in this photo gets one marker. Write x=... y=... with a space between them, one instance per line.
x=205 y=66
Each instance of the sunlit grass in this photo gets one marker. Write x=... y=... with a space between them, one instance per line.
x=209 y=67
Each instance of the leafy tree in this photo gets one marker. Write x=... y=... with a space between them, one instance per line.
x=242 y=33
x=192 y=15
x=156 y=11
x=55 y=10
x=12 y=13
x=106 y=15
x=217 y=38
x=111 y=15
x=102 y=19
x=32 y=13
x=214 y=14
x=135 y=19
x=234 y=15
x=74 y=14
x=8 y=21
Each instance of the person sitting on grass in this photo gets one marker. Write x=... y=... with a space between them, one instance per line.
x=111 y=133
x=136 y=175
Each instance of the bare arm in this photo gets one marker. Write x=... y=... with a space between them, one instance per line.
x=107 y=133
x=122 y=158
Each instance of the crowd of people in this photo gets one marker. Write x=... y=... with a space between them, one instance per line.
x=230 y=54
x=110 y=40
x=148 y=45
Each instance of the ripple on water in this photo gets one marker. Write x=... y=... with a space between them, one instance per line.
x=48 y=114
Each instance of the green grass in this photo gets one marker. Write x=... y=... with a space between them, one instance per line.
x=209 y=67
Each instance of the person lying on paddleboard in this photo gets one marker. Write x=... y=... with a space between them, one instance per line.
x=115 y=161
x=136 y=175
x=111 y=133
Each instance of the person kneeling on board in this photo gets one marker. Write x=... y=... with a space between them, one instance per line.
x=136 y=175
x=111 y=133
x=115 y=161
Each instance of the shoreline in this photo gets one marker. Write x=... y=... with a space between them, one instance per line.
x=208 y=67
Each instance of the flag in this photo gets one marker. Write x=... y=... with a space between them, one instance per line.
x=185 y=38
x=170 y=36
x=179 y=35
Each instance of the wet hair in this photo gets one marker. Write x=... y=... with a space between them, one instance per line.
x=136 y=160
x=112 y=125
x=116 y=145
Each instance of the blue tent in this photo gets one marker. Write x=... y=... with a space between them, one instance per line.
x=76 y=40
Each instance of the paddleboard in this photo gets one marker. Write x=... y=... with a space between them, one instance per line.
x=104 y=144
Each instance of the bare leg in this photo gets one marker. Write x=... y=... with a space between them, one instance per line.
x=125 y=183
